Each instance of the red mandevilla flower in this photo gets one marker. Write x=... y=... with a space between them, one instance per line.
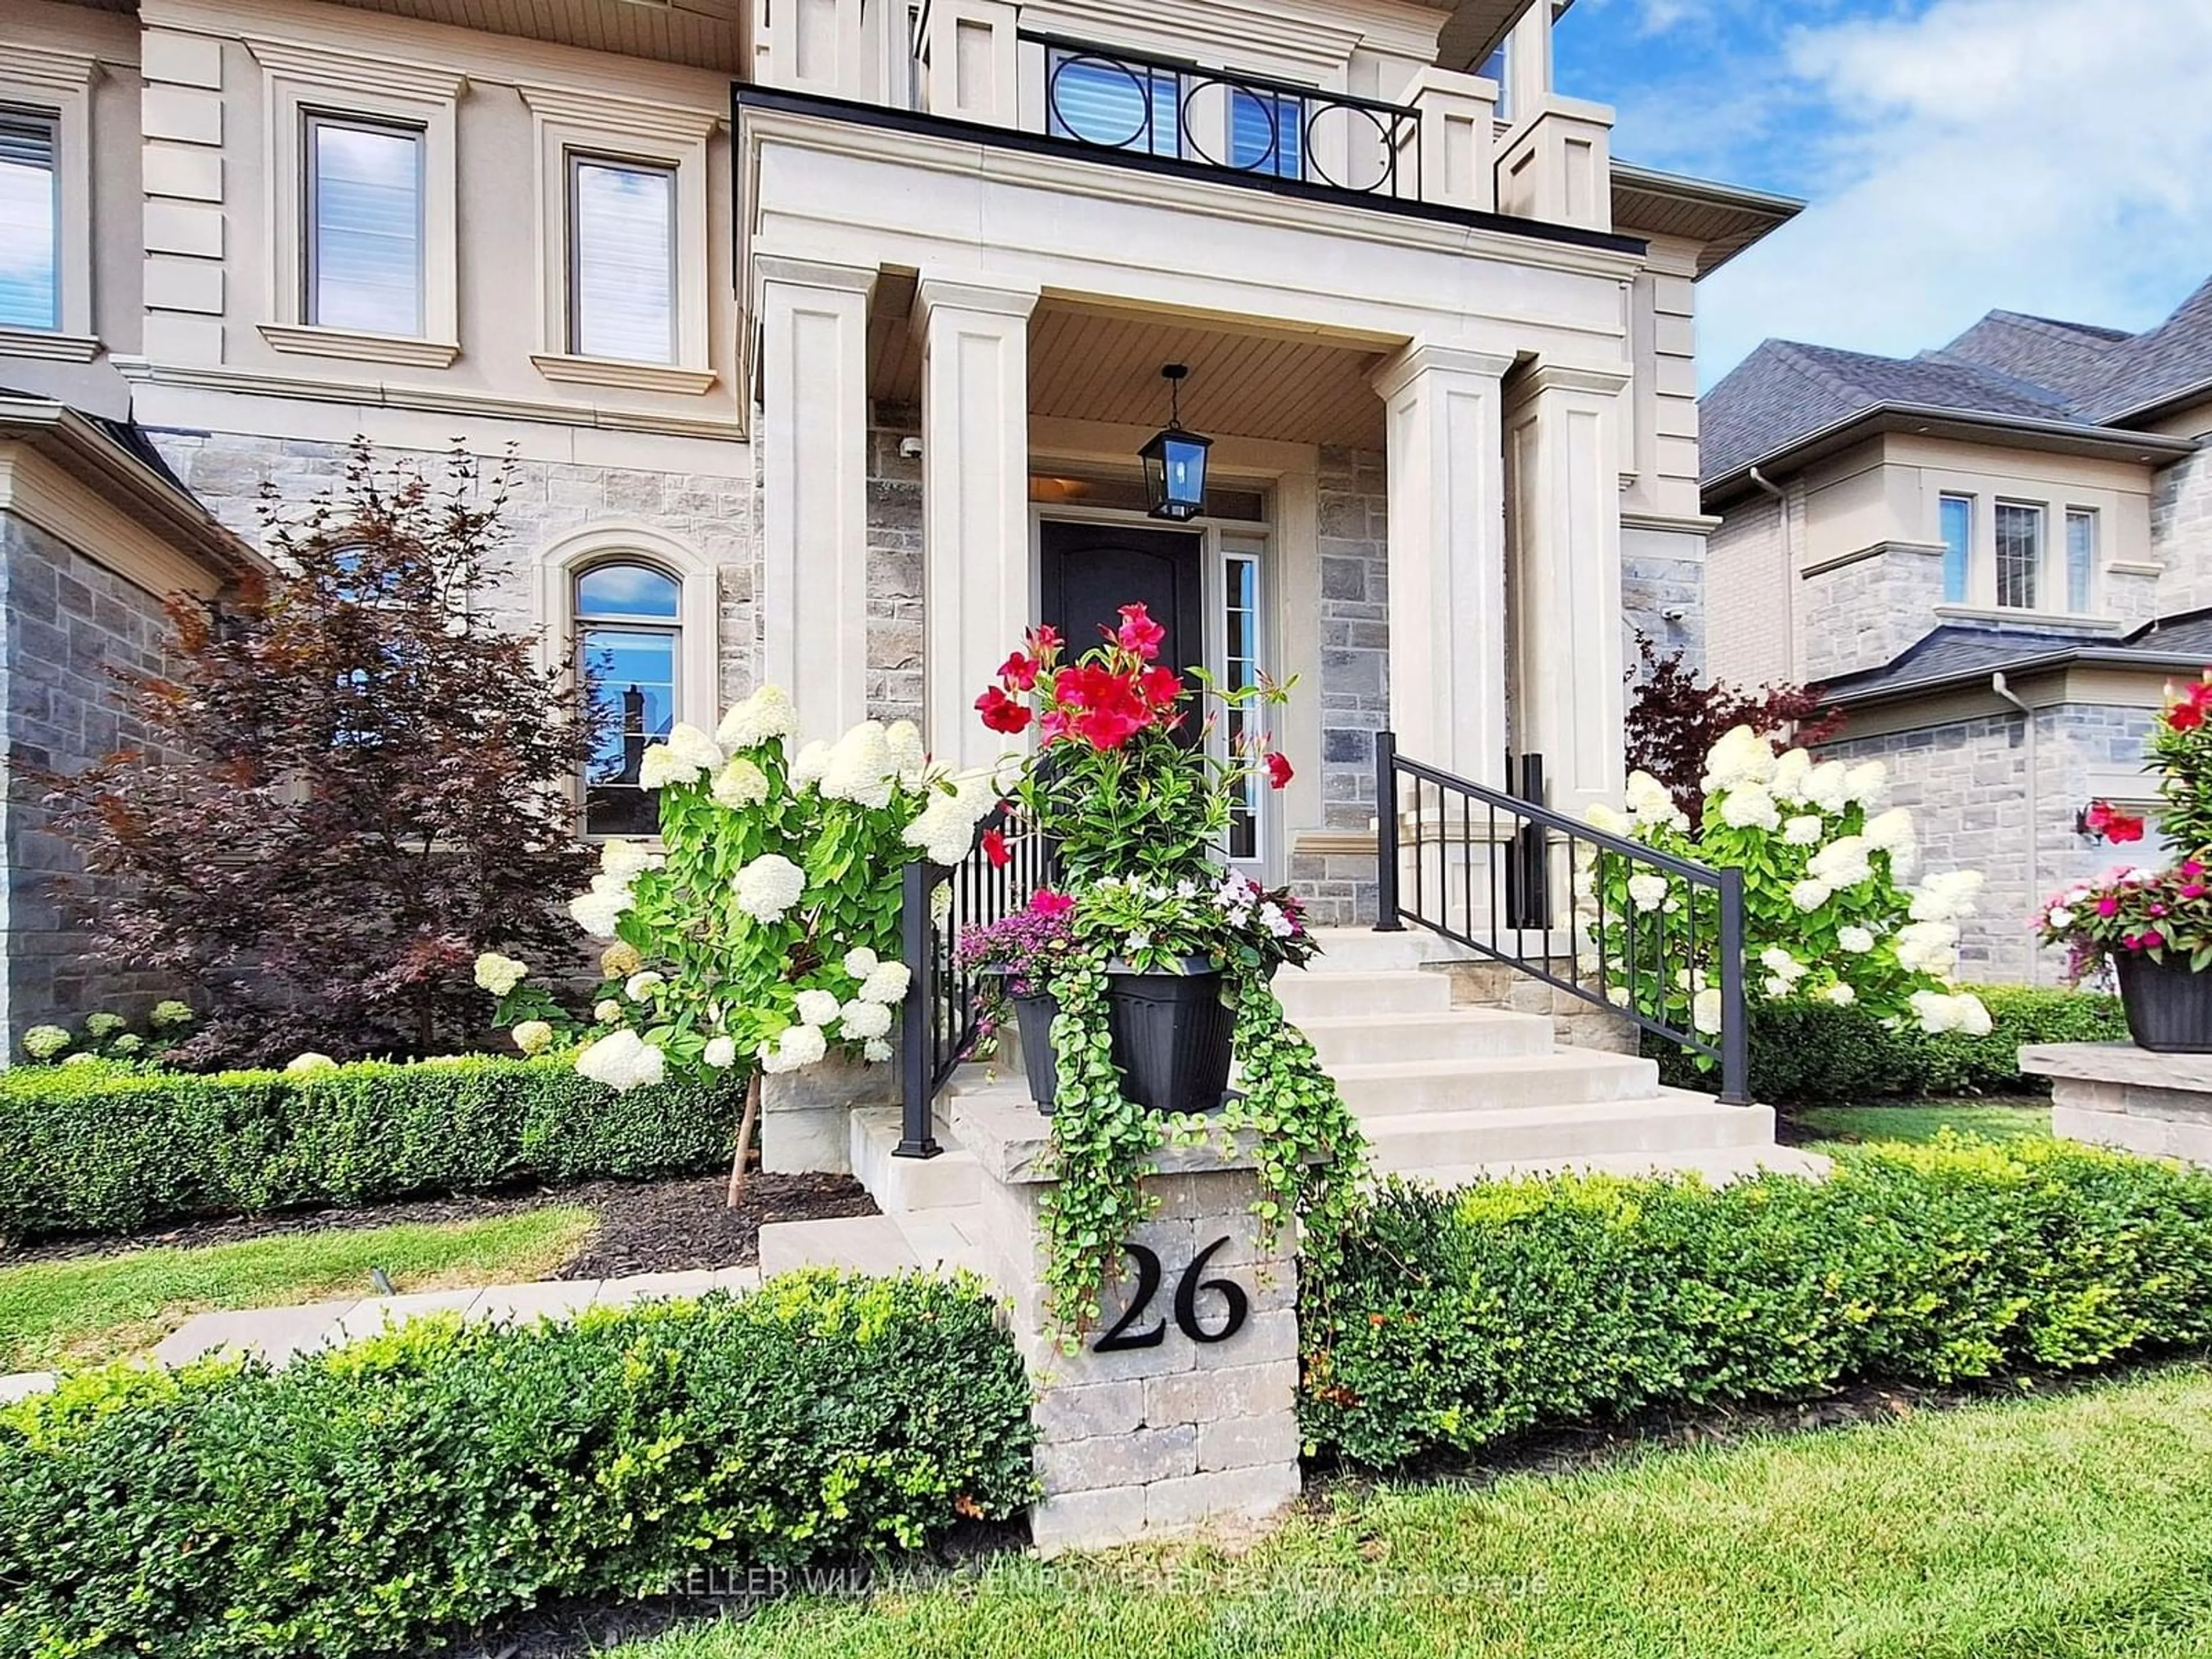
x=1140 y=633
x=1050 y=903
x=2108 y=823
x=1162 y=686
x=1001 y=713
x=1019 y=671
x=994 y=848
x=1278 y=771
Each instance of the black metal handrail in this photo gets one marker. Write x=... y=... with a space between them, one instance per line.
x=941 y=1018
x=1659 y=948
x=1294 y=114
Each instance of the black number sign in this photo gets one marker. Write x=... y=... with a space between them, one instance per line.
x=1235 y=1306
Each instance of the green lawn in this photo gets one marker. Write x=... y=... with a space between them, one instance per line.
x=2078 y=1527
x=1991 y=1120
x=90 y=1308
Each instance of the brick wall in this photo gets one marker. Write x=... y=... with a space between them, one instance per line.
x=69 y=622
x=1747 y=571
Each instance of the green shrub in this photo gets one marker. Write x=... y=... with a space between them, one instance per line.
x=96 y=1148
x=1458 y=1318
x=1814 y=1054
x=440 y=1477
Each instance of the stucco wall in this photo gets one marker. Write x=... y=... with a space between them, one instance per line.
x=69 y=622
x=1994 y=795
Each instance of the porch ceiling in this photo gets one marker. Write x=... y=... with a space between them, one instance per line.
x=701 y=33
x=1094 y=363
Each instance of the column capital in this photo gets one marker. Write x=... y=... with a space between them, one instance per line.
x=1539 y=377
x=971 y=291
x=794 y=271
x=1437 y=356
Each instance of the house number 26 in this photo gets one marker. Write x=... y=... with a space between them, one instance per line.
x=1235 y=1304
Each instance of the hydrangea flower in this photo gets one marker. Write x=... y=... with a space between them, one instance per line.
x=623 y=1060
x=101 y=1026
x=1741 y=756
x=1809 y=895
x=1891 y=831
x=1748 y=807
x=128 y=1044
x=499 y=975
x=1841 y=994
x=170 y=1015
x=811 y=764
x=1782 y=965
x=1791 y=773
x=687 y=755
x=817 y=1007
x=865 y=1020
x=640 y=986
x=1940 y=1013
x=887 y=983
x=908 y=758
x=1648 y=891
x=1857 y=940
x=620 y=960
x=44 y=1042
x=1603 y=819
x=877 y=1051
x=1866 y=783
x=1828 y=787
x=1842 y=864
x=798 y=1047
x=761 y=718
x=740 y=785
x=721 y=1053
x=609 y=1013
x=1803 y=831
x=860 y=962
x=596 y=912
x=619 y=861
x=1927 y=947
x=304 y=1065
x=1649 y=798
x=944 y=829
x=533 y=1036
x=1705 y=1010
x=770 y=886
x=861 y=769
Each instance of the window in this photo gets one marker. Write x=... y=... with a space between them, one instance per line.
x=2080 y=558
x=1497 y=68
x=363 y=215
x=1123 y=106
x=2019 y=554
x=1266 y=132
x=1240 y=669
x=629 y=652
x=30 y=220
x=622 y=259
x=1957 y=514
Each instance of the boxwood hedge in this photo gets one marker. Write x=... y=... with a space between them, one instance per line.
x=1456 y=1319
x=376 y=1500
x=99 y=1148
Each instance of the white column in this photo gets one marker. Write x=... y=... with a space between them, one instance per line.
x=814 y=487
x=979 y=584
x=1447 y=559
x=1563 y=466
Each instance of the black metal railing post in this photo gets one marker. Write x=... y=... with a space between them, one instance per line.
x=1387 y=919
x=1528 y=891
x=1735 y=1025
x=917 y=1072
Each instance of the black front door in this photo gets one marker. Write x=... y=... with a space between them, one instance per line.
x=1092 y=570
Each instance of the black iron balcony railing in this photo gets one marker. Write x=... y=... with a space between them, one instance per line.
x=1481 y=867
x=1116 y=99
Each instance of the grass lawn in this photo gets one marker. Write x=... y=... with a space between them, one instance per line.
x=2076 y=1527
x=89 y=1308
x=1991 y=1120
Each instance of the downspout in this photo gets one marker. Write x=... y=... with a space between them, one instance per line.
x=1999 y=685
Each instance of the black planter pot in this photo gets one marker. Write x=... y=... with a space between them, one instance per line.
x=2169 y=1006
x=1171 y=1035
x=1034 y=1017
x=1171 y=1032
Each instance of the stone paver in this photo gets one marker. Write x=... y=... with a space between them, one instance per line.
x=526 y=1304
x=271 y=1333
x=370 y=1317
x=23 y=1384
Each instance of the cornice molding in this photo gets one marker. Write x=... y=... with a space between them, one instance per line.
x=48 y=66
x=615 y=113
x=332 y=66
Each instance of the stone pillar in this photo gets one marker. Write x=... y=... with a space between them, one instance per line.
x=1447 y=557
x=969 y=67
x=1190 y=1414
x=979 y=583
x=814 y=488
x=1458 y=138
x=2116 y=1095
x=1563 y=473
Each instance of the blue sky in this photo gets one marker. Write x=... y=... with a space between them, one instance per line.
x=2050 y=156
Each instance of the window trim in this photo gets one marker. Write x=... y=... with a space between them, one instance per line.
x=300 y=83
x=570 y=122
x=56 y=86
x=564 y=561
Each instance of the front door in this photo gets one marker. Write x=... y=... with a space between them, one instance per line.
x=1090 y=571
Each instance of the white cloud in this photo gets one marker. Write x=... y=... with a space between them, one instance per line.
x=2051 y=156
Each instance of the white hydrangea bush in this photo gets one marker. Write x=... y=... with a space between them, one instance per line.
x=760 y=933
x=1836 y=907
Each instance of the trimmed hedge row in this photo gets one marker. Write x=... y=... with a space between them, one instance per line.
x=439 y=1477
x=1814 y=1054
x=99 y=1148
x=1457 y=1319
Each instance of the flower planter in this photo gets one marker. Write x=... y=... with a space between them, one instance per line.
x=2169 y=1005
x=1171 y=1032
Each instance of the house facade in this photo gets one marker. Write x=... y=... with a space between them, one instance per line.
x=821 y=340
x=1995 y=557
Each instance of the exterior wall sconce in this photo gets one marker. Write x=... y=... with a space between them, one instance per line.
x=1175 y=460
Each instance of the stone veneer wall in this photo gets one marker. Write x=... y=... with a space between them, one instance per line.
x=1863 y=614
x=2181 y=534
x=715 y=516
x=895 y=641
x=1354 y=678
x=69 y=622
x=1663 y=593
x=1978 y=806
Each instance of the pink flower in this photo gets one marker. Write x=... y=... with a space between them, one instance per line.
x=2108 y=906
x=1050 y=903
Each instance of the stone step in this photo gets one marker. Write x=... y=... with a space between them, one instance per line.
x=1716 y=1166
x=1424 y=1144
x=946 y=1241
x=905 y=1186
x=1462 y=1034
x=1564 y=1081
x=1313 y=991
x=1364 y=950
x=863 y=1243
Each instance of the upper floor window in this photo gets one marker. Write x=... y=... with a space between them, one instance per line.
x=1957 y=525
x=2080 y=558
x=363 y=219
x=2020 y=554
x=622 y=259
x=1121 y=104
x=1266 y=132
x=30 y=220
x=1497 y=67
x=629 y=648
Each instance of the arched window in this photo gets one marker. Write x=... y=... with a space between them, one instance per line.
x=629 y=652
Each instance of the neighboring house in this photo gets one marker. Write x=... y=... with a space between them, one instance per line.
x=1995 y=556
x=824 y=335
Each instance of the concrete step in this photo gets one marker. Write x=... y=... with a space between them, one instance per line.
x=945 y=1241
x=1364 y=950
x=1462 y=1034
x=1314 y=991
x=1718 y=1166
x=865 y=1245
x=1564 y=1081
x=1425 y=1143
x=906 y=1186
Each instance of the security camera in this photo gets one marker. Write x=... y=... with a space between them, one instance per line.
x=910 y=449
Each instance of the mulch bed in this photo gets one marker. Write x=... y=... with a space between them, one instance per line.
x=644 y=1227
